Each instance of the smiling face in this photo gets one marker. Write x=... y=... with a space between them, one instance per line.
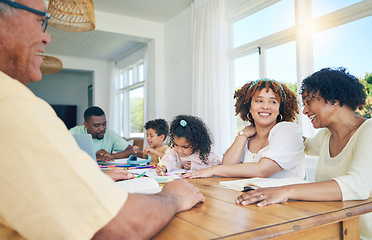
x=153 y=139
x=21 y=41
x=182 y=146
x=264 y=108
x=317 y=110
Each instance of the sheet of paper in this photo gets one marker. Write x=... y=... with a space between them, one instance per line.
x=261 y=182
x=175 y=174
x=140 y=185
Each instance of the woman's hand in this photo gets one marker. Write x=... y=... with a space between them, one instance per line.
x=264 y=196
x=118 y=174
x=202 y=173
x=249 y=130
x=187 y=165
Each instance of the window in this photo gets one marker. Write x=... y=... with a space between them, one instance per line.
x=266 y=41
x=246 y=69
x=322 y=7
x=352 y=49
x=270 y=20
x=255 y=54
x=281 y=63
x=131 y=84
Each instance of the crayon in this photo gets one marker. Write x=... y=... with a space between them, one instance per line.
x=140 y=167
x=141 y=174
x=162 y=173
x=110 y=166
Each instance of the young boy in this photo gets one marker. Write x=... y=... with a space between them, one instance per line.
x=156 y=132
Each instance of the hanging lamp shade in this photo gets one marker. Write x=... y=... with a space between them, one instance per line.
x=72 y=15
x=50 y=65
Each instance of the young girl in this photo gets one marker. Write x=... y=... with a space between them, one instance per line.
x=190 y=146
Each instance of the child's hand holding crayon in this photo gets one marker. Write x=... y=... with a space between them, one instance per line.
x=160 y=170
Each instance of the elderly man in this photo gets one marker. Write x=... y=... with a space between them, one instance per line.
x=107 y=144
x=50 y=189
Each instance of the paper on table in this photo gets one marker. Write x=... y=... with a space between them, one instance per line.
x=140 y=185
x=169 y=176
x=175 y=174
x=261 y=182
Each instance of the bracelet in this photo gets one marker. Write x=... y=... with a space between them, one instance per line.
x=241 y=133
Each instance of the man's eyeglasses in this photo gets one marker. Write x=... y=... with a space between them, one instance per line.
x=44 y=22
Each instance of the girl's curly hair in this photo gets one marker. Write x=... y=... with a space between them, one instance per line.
x=196 y=133
x=288 y=101
x=335 y=84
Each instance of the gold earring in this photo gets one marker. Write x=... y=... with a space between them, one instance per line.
x=281 y=118
x=249 y=117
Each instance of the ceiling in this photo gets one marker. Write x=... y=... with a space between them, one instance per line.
x=109 y=46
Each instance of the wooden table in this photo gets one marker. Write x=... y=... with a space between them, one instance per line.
x=220 y=218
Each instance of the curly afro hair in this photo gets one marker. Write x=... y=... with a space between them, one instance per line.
x=159 y=125
x=196 y=133
x=335 y=84
x=288 y=101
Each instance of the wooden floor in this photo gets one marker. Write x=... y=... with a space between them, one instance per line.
x=220 y=218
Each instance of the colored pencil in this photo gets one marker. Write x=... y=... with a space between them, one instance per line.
x=126 y=165
x=140 y=167
x=141 y=174
x=162 y=173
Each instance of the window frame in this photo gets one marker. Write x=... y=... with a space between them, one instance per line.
x=299 y=33
x=124 y=90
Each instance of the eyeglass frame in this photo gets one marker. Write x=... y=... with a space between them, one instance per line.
x=44 y=23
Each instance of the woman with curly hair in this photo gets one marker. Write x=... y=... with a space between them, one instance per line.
x=330 y=98
x=190 y=146
x=271 y=146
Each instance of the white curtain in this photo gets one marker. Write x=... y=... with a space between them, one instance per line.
x=114 y=116
x=212 y=89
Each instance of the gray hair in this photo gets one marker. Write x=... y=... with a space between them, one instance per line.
x=6 y=9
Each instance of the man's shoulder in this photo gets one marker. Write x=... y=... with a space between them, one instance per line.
x=12 y=87
x=111 y=135
x=78 y=130
x=111 y=132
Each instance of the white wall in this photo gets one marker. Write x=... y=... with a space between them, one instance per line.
x=66 y=88
x=142 y=31
x=169 y=63
x=100 y=73
x=178 y=67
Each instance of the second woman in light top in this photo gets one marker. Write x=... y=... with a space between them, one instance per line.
x=272 y=145
x=190 y=146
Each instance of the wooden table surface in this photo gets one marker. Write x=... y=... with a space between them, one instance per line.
x=220 y=218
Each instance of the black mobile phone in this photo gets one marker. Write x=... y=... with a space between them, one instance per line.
x=248 y=188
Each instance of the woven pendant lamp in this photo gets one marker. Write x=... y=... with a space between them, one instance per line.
x=72 y=15
x=50 y=65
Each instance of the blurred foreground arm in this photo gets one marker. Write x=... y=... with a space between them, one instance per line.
x=144 y=215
